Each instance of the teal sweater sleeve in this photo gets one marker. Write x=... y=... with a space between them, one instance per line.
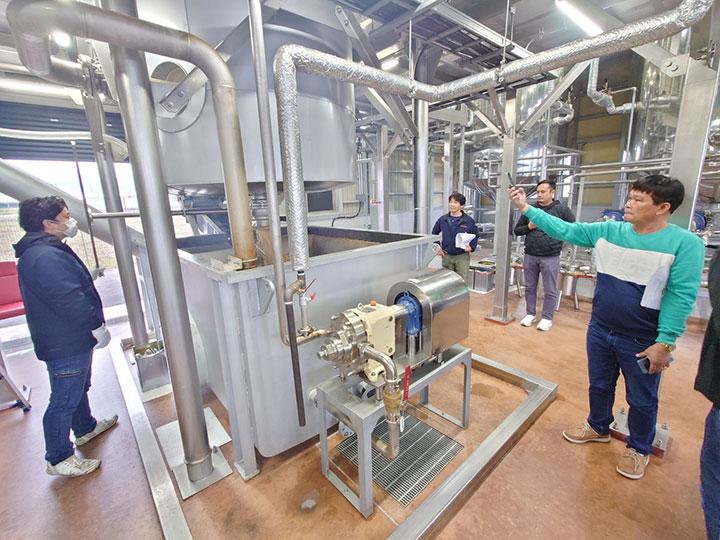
x=581 y=234
x=682 y=289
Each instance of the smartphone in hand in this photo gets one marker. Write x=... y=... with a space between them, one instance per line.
x=644 y=364
x=510 y=179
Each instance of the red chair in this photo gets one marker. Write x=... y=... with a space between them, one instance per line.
x=11 y=304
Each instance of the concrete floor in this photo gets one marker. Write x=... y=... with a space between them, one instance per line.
x=543 y=488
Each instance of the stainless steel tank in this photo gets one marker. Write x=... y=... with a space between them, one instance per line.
x=191 y=155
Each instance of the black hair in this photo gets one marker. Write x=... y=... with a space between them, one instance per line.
x=33 y=211
x=662 y=189
x=551 y=183
x=459 y=197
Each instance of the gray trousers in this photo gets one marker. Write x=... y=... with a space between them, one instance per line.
x=459 y=264
x=532 y=268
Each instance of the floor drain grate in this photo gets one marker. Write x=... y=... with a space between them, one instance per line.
x=424 y=452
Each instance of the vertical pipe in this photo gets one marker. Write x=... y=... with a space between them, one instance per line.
x=113 y=203
x=257 y=39
x=138 y=115
x=448 y=162
x=461 y=162
x=381 y=180
x=422 y=183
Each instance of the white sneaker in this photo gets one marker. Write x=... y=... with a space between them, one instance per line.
x=73 y=466
x=528 y=320
x=544 y=325
x=101 y=427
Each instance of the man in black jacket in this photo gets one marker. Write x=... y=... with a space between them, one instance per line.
x=542 y=256
x=708 y=382
x=65 y=317
x=454 y=257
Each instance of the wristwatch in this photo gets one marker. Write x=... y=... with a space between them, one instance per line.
x=669 y=347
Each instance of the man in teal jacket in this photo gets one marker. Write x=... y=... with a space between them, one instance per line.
x=648 y=275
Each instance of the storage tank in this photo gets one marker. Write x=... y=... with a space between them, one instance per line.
x=190 y=150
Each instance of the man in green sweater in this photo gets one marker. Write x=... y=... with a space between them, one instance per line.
x=648 y=275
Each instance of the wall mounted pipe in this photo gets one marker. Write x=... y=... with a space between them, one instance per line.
x=32 y=21
x=295 y=288
x=291 y=58
x=257 y=39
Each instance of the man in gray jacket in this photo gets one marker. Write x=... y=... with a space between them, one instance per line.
x=542 y=256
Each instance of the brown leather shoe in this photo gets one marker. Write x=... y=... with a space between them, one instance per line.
x=584 y=434
x=633 y=464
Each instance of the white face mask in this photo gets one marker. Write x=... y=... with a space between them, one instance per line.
x=72 y=228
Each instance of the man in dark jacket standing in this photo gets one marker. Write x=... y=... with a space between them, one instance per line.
x=65 y=318
x=542 y=256
x=456 y=221
x=708 y=382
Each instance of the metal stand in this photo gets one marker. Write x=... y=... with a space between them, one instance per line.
x=620 y=430
x=362 y=416
x=10 y=395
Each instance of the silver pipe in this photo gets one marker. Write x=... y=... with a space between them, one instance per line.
x=138 y=111
x=422 y=182
x=58 y=136
x=118 y=228
x=391 y=369
x=32 y=21
x=20 y=185
x=257 y=39
x=115 y=215
x=461 y=161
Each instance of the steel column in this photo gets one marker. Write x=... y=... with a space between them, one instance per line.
x=691 y=137
x=138 y=112
x=113 y=203
x=504 y=213
x=423 y=184
x=461 y=162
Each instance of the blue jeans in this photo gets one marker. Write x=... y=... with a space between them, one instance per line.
x=710 y=474
x=609 y=353
x=69 y=406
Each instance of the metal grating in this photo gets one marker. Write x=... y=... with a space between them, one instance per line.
x=424 y=452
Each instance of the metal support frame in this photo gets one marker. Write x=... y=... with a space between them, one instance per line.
x=225 y=301
x=691 y=137
x=390 y=106
x=10 y=395
x=495 y=102
x=652 y=52
x=461 y=161
x=569 y=78
x=364 y=415
x=485 y=119
x=446 y=499
x=397 y=22
x=503 y=214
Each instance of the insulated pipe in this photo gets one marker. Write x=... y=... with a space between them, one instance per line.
x=118 y=228
x=32 y=21
x=257 y=39
x=138 y=111
x=291 y=58
x=601 y=99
